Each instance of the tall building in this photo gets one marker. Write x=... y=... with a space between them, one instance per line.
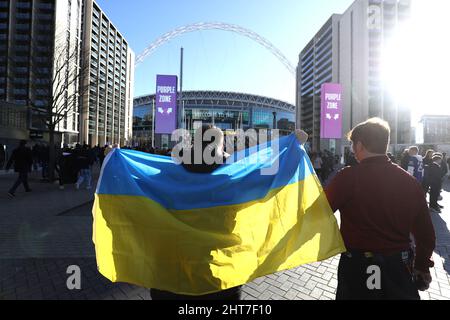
x=66 y=54
x=318 y=64
x=36 y=38
x=434 y=129
x=348 y=50
x=107 y=107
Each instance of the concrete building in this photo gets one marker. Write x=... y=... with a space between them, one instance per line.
x=348 y=50
x=318 y=64
x=434 y=129
x=44 y=48
x=36 y=37
x=107 y=107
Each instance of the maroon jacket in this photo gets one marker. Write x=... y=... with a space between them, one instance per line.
x=380 y=206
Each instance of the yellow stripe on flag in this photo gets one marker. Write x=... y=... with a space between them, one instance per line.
x=203 y=251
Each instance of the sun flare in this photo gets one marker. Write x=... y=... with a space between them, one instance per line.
x=416 y=60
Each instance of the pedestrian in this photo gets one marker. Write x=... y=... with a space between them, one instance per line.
x=85 y=160
x=2 y=156
x=444 y=166
x=381 y=206
x=404 y=162
x=22 y=160
x=203 y=168
x=415 y=164
x=427 y=161
x=435 y=181
x=68 y=171
x=317 y=164
x=35 y=155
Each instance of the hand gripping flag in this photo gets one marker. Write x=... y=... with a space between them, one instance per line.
x=159 y=226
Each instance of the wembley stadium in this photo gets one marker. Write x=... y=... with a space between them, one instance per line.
x=225 y=110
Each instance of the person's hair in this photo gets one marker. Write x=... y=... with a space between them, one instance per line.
x=429 y=154
x=374 y=134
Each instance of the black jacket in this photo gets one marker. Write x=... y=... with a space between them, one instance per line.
x=22 y=159
x=435 y=176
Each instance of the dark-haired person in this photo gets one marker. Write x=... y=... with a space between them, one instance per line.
x=22 y=160
x=381 y=206
x=427 y=161
x=448 y=163
x=200 y=165
x=2 y=156
x=435 y=181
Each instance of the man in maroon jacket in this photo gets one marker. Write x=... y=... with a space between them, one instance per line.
x=382 y=208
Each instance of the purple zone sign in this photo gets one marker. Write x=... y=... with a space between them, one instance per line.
x=331 y=115
x=166 y=104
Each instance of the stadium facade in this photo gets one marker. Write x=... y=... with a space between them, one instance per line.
x=226 y=110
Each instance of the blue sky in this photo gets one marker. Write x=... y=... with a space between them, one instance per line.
x=221 y=60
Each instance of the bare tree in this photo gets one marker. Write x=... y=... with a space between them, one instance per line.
x=63 y=71
x=67 y=85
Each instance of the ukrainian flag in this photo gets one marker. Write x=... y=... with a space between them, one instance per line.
x=158 y=226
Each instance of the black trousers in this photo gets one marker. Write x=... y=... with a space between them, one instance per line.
x=233 y=294
x=21 y=179
x=434 y=196
x=396 y=281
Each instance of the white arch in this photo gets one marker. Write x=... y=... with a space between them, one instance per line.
x=216 y=26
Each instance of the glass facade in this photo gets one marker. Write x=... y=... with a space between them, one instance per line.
x=239 y=115
x=25 y=62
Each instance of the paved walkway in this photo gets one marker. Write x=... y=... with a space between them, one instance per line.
x=44 y=232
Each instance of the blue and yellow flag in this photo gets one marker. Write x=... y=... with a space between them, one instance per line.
x=159 y=226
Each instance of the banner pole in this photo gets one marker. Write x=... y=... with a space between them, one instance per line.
x=153 y=125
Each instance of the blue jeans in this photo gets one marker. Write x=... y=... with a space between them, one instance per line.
x=85 y=175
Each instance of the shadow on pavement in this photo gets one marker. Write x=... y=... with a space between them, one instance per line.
x=46 y=279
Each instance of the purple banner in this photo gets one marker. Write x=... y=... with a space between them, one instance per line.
x=331 y=115
x=166 y=104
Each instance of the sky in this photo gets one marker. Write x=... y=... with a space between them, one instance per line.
x=216 y=59
x=222 y=60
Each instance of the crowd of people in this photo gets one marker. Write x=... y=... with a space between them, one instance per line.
x=430 y=170
x=385 y=218
x=324 y=164
x=73 y=165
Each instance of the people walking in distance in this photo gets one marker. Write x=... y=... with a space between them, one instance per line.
x=68 y=171
x=2 y=156
x=435 y=181
x=85 y=161
x=444 y=165
x=22 y=160
x=317 y=164
x=427 y=161
x=44 y=158
x=381 y=206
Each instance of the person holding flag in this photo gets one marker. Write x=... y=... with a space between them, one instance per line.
x=202 y=229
